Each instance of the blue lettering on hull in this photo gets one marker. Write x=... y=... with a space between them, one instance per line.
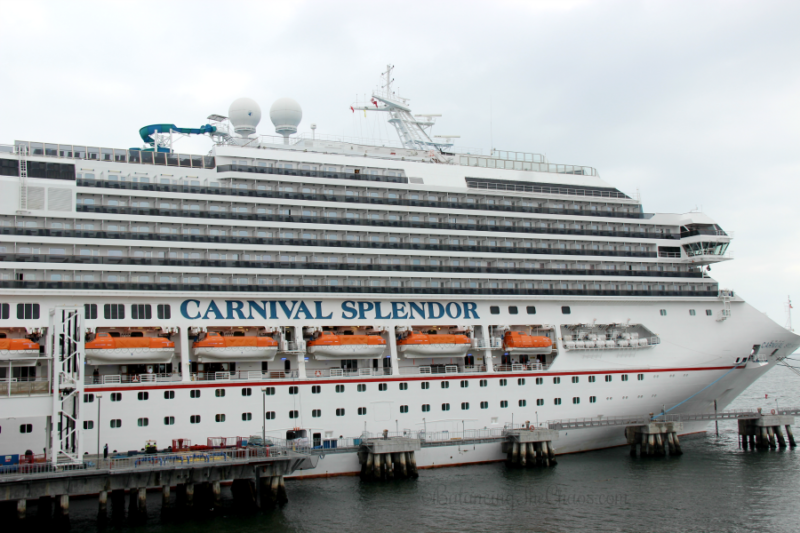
x=350 y=310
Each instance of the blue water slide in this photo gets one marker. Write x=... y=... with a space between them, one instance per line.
x=147 y=131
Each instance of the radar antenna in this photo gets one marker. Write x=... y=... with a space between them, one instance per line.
x=411 y=130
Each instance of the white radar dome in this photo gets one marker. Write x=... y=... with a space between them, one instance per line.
x=286 y=115
x=245 y=114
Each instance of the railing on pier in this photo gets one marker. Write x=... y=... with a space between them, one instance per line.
x=156 y=461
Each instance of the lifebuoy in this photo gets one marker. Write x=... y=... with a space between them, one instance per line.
x=773 y=411
x=318 y=373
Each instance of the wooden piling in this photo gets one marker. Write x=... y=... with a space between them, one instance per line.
x=189 y=490
x=523 y=455
x=403 y=464
x=216 y=491
x=790 y=435
x=63 y=505
x=141 y=501
x=165 y=495
x=779 y=436
x=282 y=498
x=102 y=502
x=771 y=434
x=22 y=509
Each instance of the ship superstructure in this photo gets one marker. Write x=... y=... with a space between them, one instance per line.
x=321 y=288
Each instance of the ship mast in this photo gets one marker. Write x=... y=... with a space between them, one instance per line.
x=411 y=130
x=789 y=314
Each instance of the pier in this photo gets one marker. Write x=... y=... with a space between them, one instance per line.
x=388 y=458
x=530 y=447
x=257 y=475
x=760 y=433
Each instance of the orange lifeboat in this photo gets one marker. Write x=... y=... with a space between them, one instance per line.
x=514 y=341
x=218 y=347
x=22 y=348
x=329 y=345
x=425 y=345
x=105 y=349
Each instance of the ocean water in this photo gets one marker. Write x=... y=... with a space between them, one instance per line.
x=713 y=486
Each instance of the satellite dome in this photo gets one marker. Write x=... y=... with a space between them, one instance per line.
x=286 y=115
x=245 y=114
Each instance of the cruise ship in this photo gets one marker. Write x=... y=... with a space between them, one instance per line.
x=318 y=288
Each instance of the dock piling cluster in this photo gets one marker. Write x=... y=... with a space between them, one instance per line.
x=528 y=448
x=765 y=432
x=654 y=439
x=388 y=458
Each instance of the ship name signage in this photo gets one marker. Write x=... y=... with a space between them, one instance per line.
x=313 y=310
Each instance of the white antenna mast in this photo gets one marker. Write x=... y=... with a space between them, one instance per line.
x=411 y=130
x=789 y=313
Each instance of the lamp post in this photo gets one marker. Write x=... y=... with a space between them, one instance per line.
x=99 y=399
x=263 y=416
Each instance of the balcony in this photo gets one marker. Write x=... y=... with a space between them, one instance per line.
x=15 y=387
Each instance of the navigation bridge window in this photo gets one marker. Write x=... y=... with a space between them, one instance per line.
x=705 y=248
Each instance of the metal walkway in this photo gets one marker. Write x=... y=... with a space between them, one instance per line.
x=636 y=420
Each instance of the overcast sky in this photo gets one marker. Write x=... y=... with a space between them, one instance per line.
x=695 y=104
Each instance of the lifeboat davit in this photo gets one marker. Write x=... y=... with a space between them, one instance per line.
x=105 y=349
x=514 y=341
x=424 y=345
x=18 y=348
x=216 y=347
x=332 y=346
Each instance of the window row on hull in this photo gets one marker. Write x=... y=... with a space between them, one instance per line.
x=259 y=237
x=388 y=286
x=317 y=193
x=398 y=264
x=348 y=221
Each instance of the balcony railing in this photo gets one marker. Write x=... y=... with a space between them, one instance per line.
x=24 y=386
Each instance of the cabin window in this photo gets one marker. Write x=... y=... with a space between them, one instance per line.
x=270 y=415
x=169 y=394
x=576 y=400
x=114 y=311
x=116 y=423
x=362 y=410
x=523 y=403
x=116 y=396
x=219 y=393
x=445 y=407
x=194 y=419
x=89 y=311
x=143 y=422
x=503 y=404
x=495 y=310
x=557 y=401
x=565 y=310
x=426 y=408
x=219 y=418
x=403 y=409
x=163 y=312
x=316 y=413
x=540 y=401
x=143 y=396
x=28 y=311
x=88 y=398
x=340 y=412
x=141 y=312
x=246 y=417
